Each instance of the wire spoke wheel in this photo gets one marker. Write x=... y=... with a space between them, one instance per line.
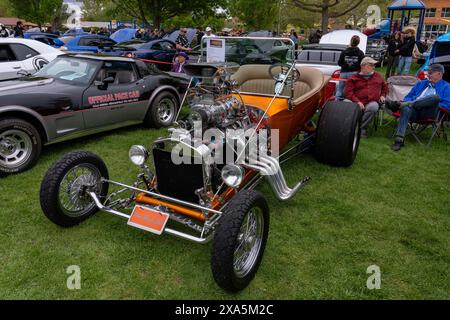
x=73 y=197
x=64 y=194
x=239 y=240
x=248 y=242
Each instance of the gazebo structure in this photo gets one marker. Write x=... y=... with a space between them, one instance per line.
x=406 y=7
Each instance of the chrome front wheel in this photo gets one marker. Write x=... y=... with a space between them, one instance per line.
x=64 y=191
x=249 y=242
x=73 y=197
x=239 y=240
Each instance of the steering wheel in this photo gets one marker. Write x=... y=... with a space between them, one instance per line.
x=284 y=69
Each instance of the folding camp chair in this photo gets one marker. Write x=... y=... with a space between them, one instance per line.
x=398 y=88
x=438 y=125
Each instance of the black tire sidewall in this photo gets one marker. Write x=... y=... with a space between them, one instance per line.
x=225 y=240
x=338 y=123
x=49 y=192
x=152 y=118
x=36 y=143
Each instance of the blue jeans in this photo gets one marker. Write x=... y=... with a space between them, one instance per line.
x=404 y=65
x=426 y=108
x=341 y=85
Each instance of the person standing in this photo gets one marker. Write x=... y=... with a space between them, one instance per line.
x=182 y=42
x=350 y=63
x=18 y=30
x=209 y=32
x=315 y=36
x=367 y=89
x=393 y=56
x=293 y=36
x=4 y=33
x=200 y=35
x=406 y=51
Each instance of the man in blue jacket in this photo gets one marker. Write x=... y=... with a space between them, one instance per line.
x=422 y=102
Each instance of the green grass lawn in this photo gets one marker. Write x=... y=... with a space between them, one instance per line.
x=389 y=209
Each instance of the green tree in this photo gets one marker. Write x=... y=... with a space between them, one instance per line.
x=328 y=8
x=101 y=10
x=156 y=11
x=5 y=8
x=60 y=15
x=37 y=11
x=255 y=14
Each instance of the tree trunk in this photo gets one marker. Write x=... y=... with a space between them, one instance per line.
x=325 y=18
x=157 y=21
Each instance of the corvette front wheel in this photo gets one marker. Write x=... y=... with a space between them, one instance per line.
x=20 y=146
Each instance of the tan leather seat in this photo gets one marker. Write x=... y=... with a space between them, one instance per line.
x=256 y=78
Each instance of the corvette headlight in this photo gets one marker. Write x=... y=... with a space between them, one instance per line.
x=232 y=175
x=138 y=155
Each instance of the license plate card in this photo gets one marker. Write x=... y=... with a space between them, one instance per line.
x=149 y=220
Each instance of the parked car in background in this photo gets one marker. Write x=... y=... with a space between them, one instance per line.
x=75 y=32
x=248 y=51
x=377 y=50
x=439 y=53
x=324 y=57
x=89 y=43
x=77 y=95
x=125 y=34
x=47 y=38
x=20 y=56
x=161 y=50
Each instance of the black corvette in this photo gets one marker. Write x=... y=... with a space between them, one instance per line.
x=77 y=95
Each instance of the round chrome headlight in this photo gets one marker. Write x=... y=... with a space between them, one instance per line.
x=138 y=155
x=232 y=175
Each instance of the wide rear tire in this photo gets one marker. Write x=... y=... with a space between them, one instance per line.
x=338 y=133
x=63 y=194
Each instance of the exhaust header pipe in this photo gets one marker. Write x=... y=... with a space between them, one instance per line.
x=270 y=168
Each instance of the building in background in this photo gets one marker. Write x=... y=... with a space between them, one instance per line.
x=437 y=18
x=75 y=8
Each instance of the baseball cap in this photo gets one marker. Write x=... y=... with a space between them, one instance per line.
x=436 y=67
x=183 y=54
x=208 y=29
x=368 y=60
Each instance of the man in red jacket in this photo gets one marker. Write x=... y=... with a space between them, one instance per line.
x=368 y=89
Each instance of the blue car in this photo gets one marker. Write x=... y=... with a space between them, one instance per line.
x=75 y=32
x=439 y=53
x=47 y=38
x=90 y=43
x=161 y=50
x=122 y=35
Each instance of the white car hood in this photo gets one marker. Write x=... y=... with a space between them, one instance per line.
x=344 y=37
